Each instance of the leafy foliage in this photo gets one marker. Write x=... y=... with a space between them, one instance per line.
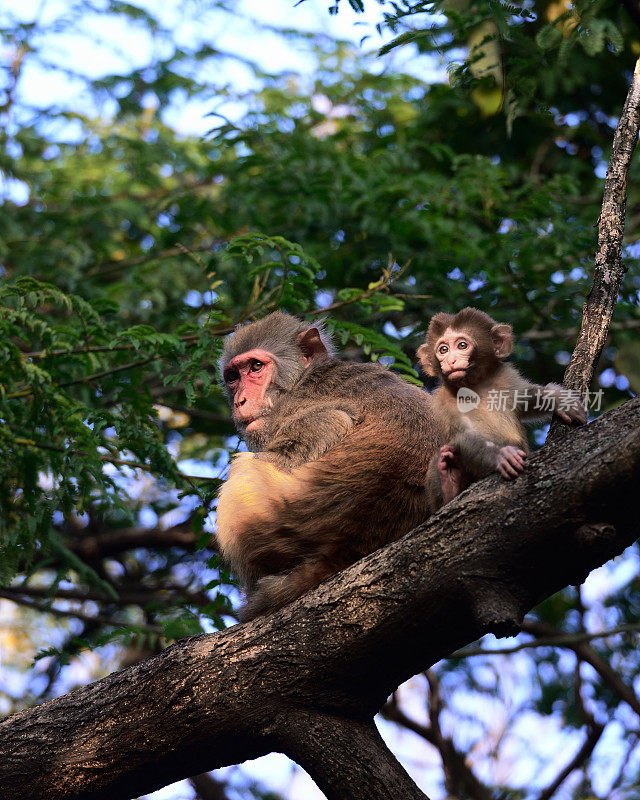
x=128 y=250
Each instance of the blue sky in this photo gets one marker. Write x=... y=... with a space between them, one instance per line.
x=100 y=45
x=97 y=45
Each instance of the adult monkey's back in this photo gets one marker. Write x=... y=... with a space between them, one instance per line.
x=341 y=457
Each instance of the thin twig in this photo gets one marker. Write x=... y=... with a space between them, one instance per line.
x=608 y=269
x=90 y=618
x=140 y=595
x=594 y=732
x=384 y=283
x=549 y=333
x=465 y=779
x=586 y=653
x=120 y=462
x=562 y=640
x=93 y=377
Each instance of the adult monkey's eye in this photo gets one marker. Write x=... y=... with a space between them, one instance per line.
x=231 y=376
x=256 y=365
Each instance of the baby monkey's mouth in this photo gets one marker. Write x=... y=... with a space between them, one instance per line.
x=456 y=374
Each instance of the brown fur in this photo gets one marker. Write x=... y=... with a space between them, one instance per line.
x=342 y=473
x=277 y=333
x=485 y=331
x=472 y=433
x=477 y=436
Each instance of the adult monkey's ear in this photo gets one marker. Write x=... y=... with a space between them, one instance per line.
x=501 y=336
x=311 y=345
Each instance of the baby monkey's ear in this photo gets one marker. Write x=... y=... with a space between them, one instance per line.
x=501 y=336
x=428 y=362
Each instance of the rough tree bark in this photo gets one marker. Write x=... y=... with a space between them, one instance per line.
x=308 y=680
x=609 y=268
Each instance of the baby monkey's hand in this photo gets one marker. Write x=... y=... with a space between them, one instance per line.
x=567 y=404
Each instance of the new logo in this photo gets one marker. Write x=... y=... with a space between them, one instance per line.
x=467 y=400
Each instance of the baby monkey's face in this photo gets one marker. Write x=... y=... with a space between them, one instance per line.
x=455 y=351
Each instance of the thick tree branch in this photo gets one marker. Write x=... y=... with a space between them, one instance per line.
x=338 y=652
x=345 y=757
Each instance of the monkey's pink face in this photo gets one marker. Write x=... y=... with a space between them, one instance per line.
x=247 y=377
x=454 y=351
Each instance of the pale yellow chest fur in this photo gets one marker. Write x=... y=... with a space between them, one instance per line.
x=245 y=498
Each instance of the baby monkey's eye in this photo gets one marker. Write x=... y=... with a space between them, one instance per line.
x=443 y=349
x=463 y=345
x=256 y=365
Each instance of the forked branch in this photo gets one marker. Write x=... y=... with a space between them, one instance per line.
x=339 y=651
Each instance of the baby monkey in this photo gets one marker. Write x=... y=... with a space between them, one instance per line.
x=482 y=401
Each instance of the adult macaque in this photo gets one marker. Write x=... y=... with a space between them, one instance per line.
x=482 y=401
x=343 y=451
